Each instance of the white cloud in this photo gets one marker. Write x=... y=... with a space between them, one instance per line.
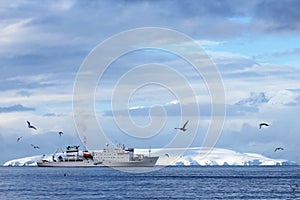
x=209 y=43
x=63 y=5
x=173 y=102
x=136 y=107
x=13 y=32
x=284 y=97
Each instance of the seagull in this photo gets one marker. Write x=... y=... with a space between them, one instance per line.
x=183 y=128
x=294 y=187
x=19 y=138
x=30 y=126
x=279 y=148
x=167 y=155
x=60 y=133
x=263 y=124
x=35 y=147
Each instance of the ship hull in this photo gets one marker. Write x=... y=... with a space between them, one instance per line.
x=67 y=164
x=146 y=162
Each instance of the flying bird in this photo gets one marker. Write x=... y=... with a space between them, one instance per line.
x=60 y=133
x=263 y=124
x=183 y=128
x=30 y=126
x=35 y=147
x=19 y=138
x=279 y=148
x=294 y=187
x=167 y=155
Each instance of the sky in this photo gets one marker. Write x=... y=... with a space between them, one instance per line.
x=254 y=46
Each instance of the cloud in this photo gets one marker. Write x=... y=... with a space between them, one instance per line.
x=61 y=45
x=171 y=110
x=24 y=93
x=278 y=16
x=258 y=102
x=285 y=97
x=28 y=85
x=293 y=52
x=197 y=18
x=12 y=33
x=254 y=100
x=53 y=115
x=15 y=108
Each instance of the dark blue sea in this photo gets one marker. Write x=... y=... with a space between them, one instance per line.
x=166 y=183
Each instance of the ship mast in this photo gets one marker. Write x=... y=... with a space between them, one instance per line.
x=84 y=141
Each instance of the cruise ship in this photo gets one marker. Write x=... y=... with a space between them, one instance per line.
x=116 y=157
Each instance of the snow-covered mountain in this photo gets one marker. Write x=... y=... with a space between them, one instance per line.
x=211 y=157
x=192 y=156
x=27 y=161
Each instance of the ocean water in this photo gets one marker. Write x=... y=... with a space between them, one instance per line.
x=166 y=183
